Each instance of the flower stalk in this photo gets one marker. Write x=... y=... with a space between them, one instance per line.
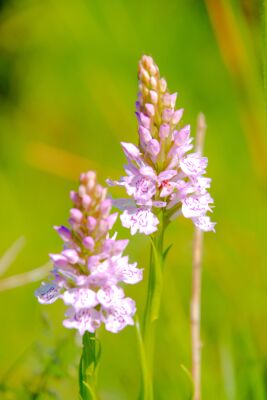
x=88 y=367
x=154 y=294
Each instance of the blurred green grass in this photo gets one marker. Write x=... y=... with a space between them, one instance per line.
x=67 y=91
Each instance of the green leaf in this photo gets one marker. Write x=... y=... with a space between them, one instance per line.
x=146 y=389
x=166 y=252
x=90 y=392
x=81 y=376
x=157 y=282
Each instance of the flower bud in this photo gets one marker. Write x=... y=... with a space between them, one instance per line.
x=71 y=255
x=181 y=137
x=76 y=215
x=153 y=69
x=98 y=191
x=169 y=100
x=88 y=177
x=150 y=109
x=86 y=201
x=74 y=197
x=89 y=243
x=146 y=61
x=144 y=76
x=153 y=147
x=164 y=131
x=64 y=233
x=153 y=96
x=105 y=206
x=144 y=134
x=145 y=121
x=162 y=85
x=167 y=114
x=177 y=116
x=91 y=223
x=153 y=83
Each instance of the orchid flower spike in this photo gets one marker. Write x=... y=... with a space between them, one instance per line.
x=160 y=174
x=89 y=270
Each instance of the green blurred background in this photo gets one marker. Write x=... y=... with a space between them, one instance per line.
x=68 y=84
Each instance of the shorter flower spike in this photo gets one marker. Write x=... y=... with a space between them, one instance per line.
x=89 y=270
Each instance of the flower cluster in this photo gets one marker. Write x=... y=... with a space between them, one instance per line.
x=160 y=173
x=87 y=273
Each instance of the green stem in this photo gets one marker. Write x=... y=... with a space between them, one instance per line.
x=88 y=367
x=146 y=388
x=152 y=308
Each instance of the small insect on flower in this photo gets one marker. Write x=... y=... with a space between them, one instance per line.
x=89 y=270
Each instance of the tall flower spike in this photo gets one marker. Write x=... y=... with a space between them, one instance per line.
x=88 y=271
x=160 y=173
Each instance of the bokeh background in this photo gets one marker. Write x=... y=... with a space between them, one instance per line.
x=68 y=84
